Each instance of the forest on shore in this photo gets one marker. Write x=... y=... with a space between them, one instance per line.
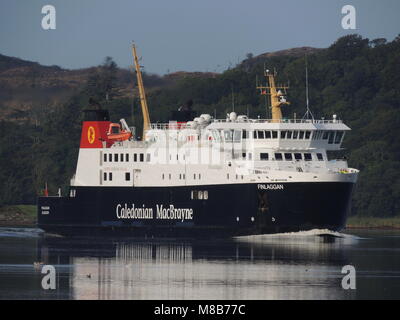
x=357 y=79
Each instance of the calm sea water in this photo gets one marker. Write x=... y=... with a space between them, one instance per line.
x=305 y=265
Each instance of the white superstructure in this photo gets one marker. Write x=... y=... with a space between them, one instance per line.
x=210 y=151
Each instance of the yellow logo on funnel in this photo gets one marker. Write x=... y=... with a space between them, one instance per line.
x=91 y=135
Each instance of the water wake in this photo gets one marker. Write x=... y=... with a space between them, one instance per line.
x=19 y=232
x=301 y=236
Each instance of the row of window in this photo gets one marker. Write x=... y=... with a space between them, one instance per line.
x=332 y=136
x=108 y=176
x=265 y=134
x=182 y=176
x=279 y=156
x=237 y=135
x=124 y=157
x=195 y=176
x=300 y=135
x=237 y=176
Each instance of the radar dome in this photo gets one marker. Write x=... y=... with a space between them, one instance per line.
x=233 y=116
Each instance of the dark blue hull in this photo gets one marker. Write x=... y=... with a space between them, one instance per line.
x=236 y=209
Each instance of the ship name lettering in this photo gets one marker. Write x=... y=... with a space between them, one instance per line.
x=174 y=213
x=124 y=212
x=270 y=186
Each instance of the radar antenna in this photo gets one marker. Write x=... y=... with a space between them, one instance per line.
x=308 y=113
x=277 y=98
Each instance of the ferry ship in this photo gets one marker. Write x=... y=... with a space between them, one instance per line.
x=204 y=176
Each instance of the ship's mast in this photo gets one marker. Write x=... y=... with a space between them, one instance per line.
x=277 y=98
x=142 y=94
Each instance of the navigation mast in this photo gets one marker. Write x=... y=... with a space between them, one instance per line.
x=277 y=98
x=142 y=94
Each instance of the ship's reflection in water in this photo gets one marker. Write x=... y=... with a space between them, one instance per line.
x=261 y=267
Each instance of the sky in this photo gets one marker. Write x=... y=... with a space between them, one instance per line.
x=175 y=35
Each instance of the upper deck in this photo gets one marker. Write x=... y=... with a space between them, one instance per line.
x=289 y=134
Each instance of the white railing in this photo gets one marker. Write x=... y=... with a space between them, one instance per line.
x=168 y=126
x=321 y=121
x=180 y=126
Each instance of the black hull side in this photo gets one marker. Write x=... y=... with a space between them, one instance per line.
x=236 y=209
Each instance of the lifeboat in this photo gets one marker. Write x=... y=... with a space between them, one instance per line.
x=115 y=133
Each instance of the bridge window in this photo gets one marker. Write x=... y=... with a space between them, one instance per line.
x=274 y=134
x=331 y=137
x=244 y=134
x=325 y=135
x=278 y=156
x=127 y=157
x=216 y=135
x=338 y=137
x=307 y=157
x=298 y=156
x=116 y=157
x=237 y=136
x=301 y=135
x=122 y=157
x=267 y=134
x=295 y=134
x=289 y=135
x=135 y=157
x=228 y=134
x=263 y=156
x=110 y=157
x=288 y=157
x=320 y=157
x=105 y=157
x=308 y=134
x=141 y=157
x=260 y=134
x=127 y=176
x=283 y=134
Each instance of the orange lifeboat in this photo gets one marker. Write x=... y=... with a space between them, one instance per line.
x=115 y=133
